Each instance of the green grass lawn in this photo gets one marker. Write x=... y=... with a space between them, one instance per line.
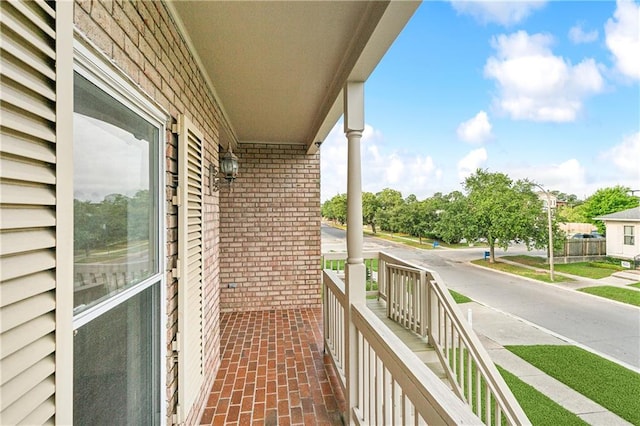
x=620 y=294
x=539 y=408
x=637 y=285
x=607 y=383
x=595 y=270
x=402 y=238
x=538 y=262
x=459 y=298
x=517 y=270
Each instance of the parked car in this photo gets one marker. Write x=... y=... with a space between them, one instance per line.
x=591 y=235
x=596 y=234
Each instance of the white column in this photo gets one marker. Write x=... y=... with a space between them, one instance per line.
x=354 y=269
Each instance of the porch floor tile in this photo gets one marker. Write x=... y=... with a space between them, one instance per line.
x=274 y=371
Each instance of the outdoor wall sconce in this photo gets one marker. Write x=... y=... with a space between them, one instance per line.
x=228 y=171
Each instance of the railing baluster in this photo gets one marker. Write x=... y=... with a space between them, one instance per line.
x=460 y=362
x=376 y=390
x=446 y=341
x=403 y=406
x=387 y=397
x=363 y=344
x=469 y=377
x=479 y=379
x=439 y=322
x=487 y=404
x=414 y=304
x=394 y=419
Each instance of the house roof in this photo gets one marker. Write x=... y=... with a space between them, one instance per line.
x=630 y=215
x=278 y=68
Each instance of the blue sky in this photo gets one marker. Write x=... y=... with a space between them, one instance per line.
x=548 y=91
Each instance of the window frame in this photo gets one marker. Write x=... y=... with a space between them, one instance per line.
x=628 y=234
x=96 y=68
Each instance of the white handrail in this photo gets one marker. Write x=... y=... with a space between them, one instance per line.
x=417 y=300
x=395 y=386
x=335 y=261
x=334 y=321
x=466 y=362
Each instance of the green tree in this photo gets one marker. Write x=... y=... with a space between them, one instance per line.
x=425 y=218
x=85 y=226
x=370 y=206
x=113 y=214
x=389 y=200
x=411 y=199
x=326 y=211
x=606 y=201
x=501 y=211
x=572 y=214
x=139 y=216
x=453 y=221
x=570 y=199
x=404 y=217
x=336 y=208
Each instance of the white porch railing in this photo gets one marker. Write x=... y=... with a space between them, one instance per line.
x=394 y=386
x=417 y=299
x=374 y=270
x=334 y=326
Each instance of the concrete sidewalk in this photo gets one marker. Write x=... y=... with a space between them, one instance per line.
x=497 y=329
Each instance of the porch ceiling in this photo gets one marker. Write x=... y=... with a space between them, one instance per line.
x=278 y=67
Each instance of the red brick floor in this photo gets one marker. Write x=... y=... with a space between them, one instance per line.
x=274 y=372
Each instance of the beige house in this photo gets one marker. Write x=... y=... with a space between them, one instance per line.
x=124 y=252
x=623 y=233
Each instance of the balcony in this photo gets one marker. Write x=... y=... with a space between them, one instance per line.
x=416 y=359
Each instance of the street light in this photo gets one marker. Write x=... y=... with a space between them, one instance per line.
x=550 y=246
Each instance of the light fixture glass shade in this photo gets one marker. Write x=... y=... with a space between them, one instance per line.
x=229 y=165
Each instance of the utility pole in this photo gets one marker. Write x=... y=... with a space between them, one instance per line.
x=551 y=271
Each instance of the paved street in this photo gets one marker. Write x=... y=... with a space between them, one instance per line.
x=608 y=328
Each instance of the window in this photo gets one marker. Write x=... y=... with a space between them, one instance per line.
x=628 y=236
x=118 y=277
x=114 y=200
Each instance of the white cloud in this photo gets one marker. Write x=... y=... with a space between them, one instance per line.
x=333 y=163
x=572 y=177
x=569 y=176
x=406 y=172
x=499 y=12
x=476 y=130
x=393 y=171
x=623 y=37
x=121 y=167
x=534 y=84
x=471 y=162
x=578 y=35
x=626 y=158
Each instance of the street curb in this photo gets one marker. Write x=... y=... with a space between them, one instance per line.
x=556 y=285
x=559 y=336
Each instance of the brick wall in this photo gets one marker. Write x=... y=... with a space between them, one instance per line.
x=270 y=230
x=141 y=39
